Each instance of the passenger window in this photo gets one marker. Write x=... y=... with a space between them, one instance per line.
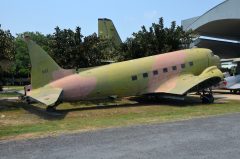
x=145 y=75
x=183 y=65
x=134 y=78
x=191 y=63
x=155 y=72
x=174 y=68
x=165 y=70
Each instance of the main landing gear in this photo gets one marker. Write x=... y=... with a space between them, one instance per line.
x=25 y=99
x=207 y=96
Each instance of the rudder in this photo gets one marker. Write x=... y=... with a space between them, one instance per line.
x=107 y=30
x=43 y=66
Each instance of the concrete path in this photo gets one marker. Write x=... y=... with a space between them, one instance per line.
x=214 y=137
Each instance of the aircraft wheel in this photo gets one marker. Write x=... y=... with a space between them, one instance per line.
x=25 y=99
x=207 y=99
x=28 y=101
x=51 y=109
x=21 y=98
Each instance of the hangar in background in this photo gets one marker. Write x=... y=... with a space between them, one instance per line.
x=218 y=29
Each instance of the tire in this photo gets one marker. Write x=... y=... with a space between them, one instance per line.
x=207 y=99
x=50 y=109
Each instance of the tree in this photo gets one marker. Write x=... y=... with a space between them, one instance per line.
x=6 y=45
x=92 y=52
x=1 y=80
x=6 y=52
x=72 y=50
x=66 y=47
x=158 y=39
x=22 y=63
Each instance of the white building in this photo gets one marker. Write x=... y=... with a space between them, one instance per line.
x=220 y=22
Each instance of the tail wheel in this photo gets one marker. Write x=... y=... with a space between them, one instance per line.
x=25 y=99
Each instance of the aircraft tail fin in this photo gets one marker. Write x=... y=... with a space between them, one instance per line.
x=43 y=66
x=107 y=30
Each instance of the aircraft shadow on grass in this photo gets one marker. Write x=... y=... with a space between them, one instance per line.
x=8 y=105
x=11 y=105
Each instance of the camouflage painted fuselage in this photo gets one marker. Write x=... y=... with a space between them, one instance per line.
x=154 y=74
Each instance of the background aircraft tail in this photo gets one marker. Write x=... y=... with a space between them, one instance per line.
x=107 y=30
x=43 y=66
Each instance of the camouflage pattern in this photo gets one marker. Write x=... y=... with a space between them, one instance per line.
x=148 y=75
x=107 y=30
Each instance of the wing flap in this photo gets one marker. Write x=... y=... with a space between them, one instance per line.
x=185 y=82
x=45 y=95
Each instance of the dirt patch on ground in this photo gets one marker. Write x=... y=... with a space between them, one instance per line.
x=226 y=95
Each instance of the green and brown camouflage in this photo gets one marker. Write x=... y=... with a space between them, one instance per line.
x=175 y=73
x=107 y=30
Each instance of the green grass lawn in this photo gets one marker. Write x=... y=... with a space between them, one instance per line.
x=11 y=91
x=11 y=94
x=18 y=120
x=17 y=88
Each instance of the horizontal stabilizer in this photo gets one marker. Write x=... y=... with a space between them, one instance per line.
x=46 y=95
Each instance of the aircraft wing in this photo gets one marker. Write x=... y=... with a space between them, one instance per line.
x=235 y=86
x=180 y=85
x=45 y=95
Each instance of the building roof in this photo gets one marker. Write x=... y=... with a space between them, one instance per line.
x=221 y=21
x=220 y=48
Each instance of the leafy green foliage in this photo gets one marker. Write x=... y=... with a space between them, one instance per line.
x=70 y=49
x=6 y=52
x=6 y=45
x=158 y=39
x=97 y=50
x=1 y=82
x=22 y=63
x=65 y=46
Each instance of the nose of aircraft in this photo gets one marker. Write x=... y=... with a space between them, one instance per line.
x=216 y=61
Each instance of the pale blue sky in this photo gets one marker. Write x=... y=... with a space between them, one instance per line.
x=127 y=15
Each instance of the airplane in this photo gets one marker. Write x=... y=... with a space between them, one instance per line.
x=173 y=74
x=227 y=64
x=231 y=82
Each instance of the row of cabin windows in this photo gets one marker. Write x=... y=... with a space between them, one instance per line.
x=165 y=70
